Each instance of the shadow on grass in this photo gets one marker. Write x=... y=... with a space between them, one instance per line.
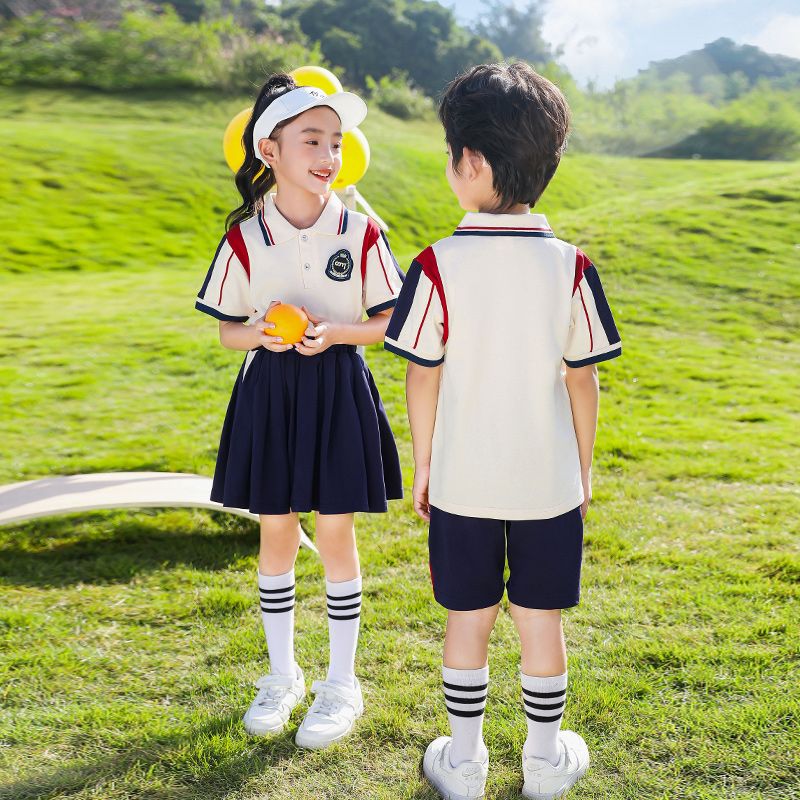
x=217 y=781
x=107 y=548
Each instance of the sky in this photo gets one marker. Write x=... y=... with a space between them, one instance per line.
x=608 y=39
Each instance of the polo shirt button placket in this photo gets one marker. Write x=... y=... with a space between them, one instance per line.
x=305 y=257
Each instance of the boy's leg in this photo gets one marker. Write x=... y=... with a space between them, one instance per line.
x=465 y=677
x=280 y=541
x=544 y=558
x=467 y=558
x=544 y=677
x=338 y=702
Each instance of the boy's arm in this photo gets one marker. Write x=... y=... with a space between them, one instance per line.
x=583 y=385
x=422 y=395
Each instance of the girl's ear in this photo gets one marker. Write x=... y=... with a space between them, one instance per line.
x=473 y=163
x=267 y=148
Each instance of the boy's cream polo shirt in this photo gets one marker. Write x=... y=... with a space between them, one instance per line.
x=502 y=304
x=338 y=268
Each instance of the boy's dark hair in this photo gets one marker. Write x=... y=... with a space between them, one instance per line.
x=250 y=187
x=517 y=119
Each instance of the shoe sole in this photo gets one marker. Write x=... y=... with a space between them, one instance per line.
x=446 y=794
x=263 y=731
x=312 y=743
x=560 y=793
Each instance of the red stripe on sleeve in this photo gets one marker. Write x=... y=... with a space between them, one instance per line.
x=422 y=321
x=427 y=260
x=236 y=241
x=371 y=235
x=591 y=340
x=582 y=263
x=224 y=278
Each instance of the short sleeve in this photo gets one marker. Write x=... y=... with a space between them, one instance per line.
x=225 y=293
x=382 y=277
x=593 y=335
x=418 y=327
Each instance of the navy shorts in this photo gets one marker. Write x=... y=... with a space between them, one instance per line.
x=468 y=558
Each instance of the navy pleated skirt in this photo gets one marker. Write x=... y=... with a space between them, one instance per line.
x=306 y=433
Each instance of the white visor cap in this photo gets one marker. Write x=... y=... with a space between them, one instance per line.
x=350 y=107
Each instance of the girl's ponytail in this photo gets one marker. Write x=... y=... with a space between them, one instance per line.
x=252 y=188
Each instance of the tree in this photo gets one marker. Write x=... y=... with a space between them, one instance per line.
x=516 y=31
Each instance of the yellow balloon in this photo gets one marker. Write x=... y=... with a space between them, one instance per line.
x=232 y=139
x=355 y=159
x=319 y=77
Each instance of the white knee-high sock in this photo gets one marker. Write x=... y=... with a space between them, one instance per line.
x=544 y=700
x=276 y=594
x=465 y=697
x=344 y=617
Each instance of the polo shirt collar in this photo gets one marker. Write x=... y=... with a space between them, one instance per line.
x=484 y=224
x=277 y=229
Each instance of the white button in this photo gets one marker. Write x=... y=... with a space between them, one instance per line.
x=304 y=237
x=307 y=266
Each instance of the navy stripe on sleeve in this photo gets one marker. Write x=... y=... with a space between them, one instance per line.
x=394 y=260
x=211 y=268
x=603 y=310
x=218 y=314
x=584 y=362
x=423 y=362
x=371 y=312
x=404 y=301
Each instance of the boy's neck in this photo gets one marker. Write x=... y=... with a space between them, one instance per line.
x=519 y=208
x=299 y=207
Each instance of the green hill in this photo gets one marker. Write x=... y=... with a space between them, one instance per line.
x=130 y=639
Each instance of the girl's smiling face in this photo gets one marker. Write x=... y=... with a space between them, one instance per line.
x=307 y=152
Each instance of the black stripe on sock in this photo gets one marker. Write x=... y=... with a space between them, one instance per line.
x=536 y=718
x=276 y=591
x=277 y=610
x=350 y=616
x=276 y=600
x=482 y=687
x=344 y=597
x=467 y=700
x=543 y=695
x=343 y=608
x=460 y=713
x=544 y=706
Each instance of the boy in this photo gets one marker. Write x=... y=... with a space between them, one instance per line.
x=502 y=433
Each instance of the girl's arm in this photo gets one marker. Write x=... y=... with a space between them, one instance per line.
x=583 y=385
x=238 y=336
x=325 y=333
x=422 y=395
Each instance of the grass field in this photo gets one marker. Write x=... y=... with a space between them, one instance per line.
x=128 y=641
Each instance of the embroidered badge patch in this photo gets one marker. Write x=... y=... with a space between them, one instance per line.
x=340 y=266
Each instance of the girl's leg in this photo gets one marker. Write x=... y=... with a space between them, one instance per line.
x=465 y=676
x=544 y=677
x=280 y=540
x=336 y=541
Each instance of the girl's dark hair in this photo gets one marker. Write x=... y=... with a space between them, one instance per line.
x=252 y=188
x=517 y=119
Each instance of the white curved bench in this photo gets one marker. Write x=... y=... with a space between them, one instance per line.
x=70 y=494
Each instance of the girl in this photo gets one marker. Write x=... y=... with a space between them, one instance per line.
x=305 y=428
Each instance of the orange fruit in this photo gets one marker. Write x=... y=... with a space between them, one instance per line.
x=290 y=322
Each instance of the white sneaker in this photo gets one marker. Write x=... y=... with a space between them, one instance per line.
x=464 y=782
x=543 y=781
x=277 y=696
x=331 y=716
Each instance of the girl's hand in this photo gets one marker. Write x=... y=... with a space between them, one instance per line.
x=586 y=480
x=320 y=335
x=263 y=339
x=419 y=492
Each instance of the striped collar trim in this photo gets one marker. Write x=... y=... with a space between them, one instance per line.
x=483 y=224
x=276 y=229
